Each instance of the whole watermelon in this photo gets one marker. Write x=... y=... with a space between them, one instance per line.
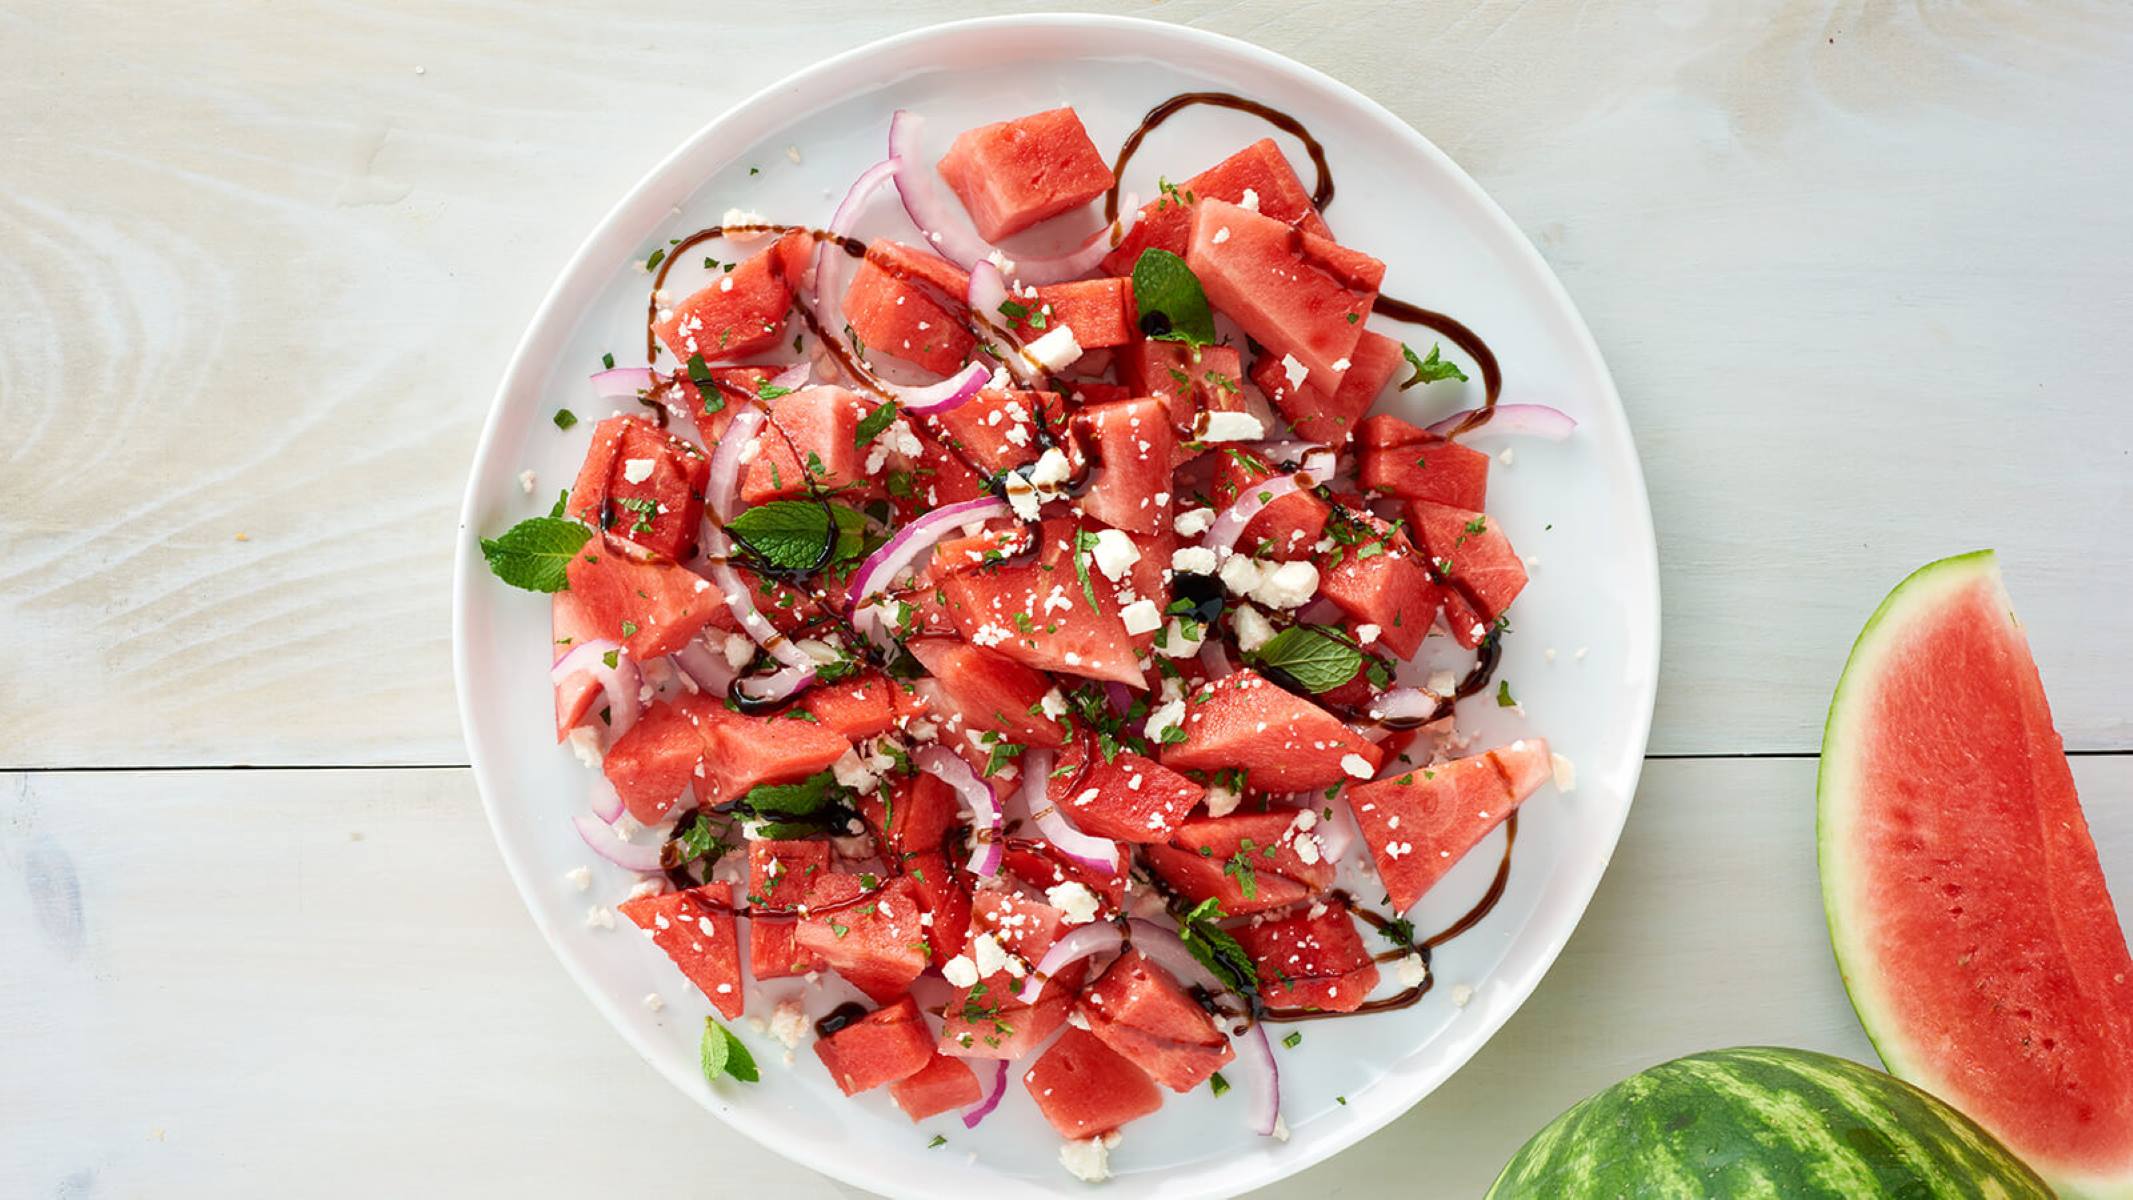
x=1762 y=1121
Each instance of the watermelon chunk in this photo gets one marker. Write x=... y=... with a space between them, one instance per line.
x=1250 y=861
x=653 y=609
x=1966 y=902
x=656 y=761
x=1305 y=404
x=985 y=1023
x=1085 y=1088
x=1286 y=530
x=861 y=706
x=940 y=1085
x=1013 y=174
x=643 y=488
x=990 y=691
x=939 y=477
x=732 y=388
x=813 y=433
x=889 y=1044
x=1023 y=927
x=743 y=311
x=1482 y=573
x=1133 y=442
x=914 y=819
x=997 y=428
x=1140 y=1010
x=901 y=320
x=1389 y=587
x=1419 y=825
x=1307 y=961
x=1188 y=380
x=1294 y=293
x=946 y=896
x=697 y=930
x=1064 y=635
x=1410 y=462
x=1129 y=798
x=779 y=875
x=1099 y=311
x=914 y=265
x=1036 y=863
x=1260 y=168
x=742 y=751
x=1283 y=742
x=875 y=939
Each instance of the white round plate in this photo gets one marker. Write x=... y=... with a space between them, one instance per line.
x=1582 y=660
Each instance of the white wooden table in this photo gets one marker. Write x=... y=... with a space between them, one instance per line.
x=1864 y=274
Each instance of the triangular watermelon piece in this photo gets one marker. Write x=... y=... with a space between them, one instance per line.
x=1284 y=742
x=990 y=691
x=1482 y=573
x=657 y=760
x=874 y=939
x=1140 y=1010
x=1086 y=1089
x=1308 y=961
x=1419 y=825
x=1300 y=295
x=1038 y=614
x=697 y=930
x=1129 y=798
x=940 y=1085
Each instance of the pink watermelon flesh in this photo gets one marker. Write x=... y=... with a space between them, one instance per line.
x=1284 y=742
x=1011 y=175
x=1419 y=825
x=990 y=691
x=1140 y=1010
x=1166 y=222
x=884 y=1046
x=697 y=930
x=1085 y=1088
x=1310 y=961
x=1298 y=294
x=940 y=1085
x=1965 y=899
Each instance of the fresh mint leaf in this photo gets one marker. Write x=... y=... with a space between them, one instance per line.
x=721 y=1053
x=1311 y=656
x=1084 y=542
x=562 y=500
x=1172 y=305
x=767 y=390
x=1216 y=949
x=871 y=425
x=535 y=554
x=1430 y=369
x=790 y=801
x=706 y=387
x=793 y=534
x=564 y=418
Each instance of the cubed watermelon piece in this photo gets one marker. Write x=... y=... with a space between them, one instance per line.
x=1129 y=798
x=946 y=896
x=743 y=750
x=861 y=706
x=1189 y=380
x=1086 y=1089
x=874 y=939
x=988 y=1023
x=1133 y=441
x=1140 y=1010
x=1419 y=825
x=1376 y=578
x=1260 y=168
x=913 y=264
x=1099 y=311
x=1300 y=295
x=1481 y=572
x=942 y=1084
x=656 y=761
x=1283 y=742
x=1039 y=865
x=1308 y=961
x=889 y=1044
x=997 y=428
x=938 y=478
x=1064 y=635
x=1023 y=927
x=653 y=609
x=1013 y=174
x=741 y=312
x=697 y=930
x=1307 y=408
x=1410 y=462
x=1286 y=530
x=779 y=875
x=1197 y=877
x=774 y=949
x=1097 y=391
x=812 y=432
x=990 y=690
x=1258 y=855
x=643 y=487
x=915 y=816
x=901 y=320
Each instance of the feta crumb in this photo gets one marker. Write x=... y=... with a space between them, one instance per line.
x=1022 y=497
x=1250 y=201
x=1114 y=553
x=1221 y=235
x=599 y=917
x=1055 y=351
x=1221 y=801
x=1295 y=372
x=1052 y=704
x=1088 y=1161
x=1410 y=971
x=738 y=216
x=1227 y=427
x=793 y=153
x=525 y=481
x=580 y=877
x=1366 y=634
x=1281 y=1128
x=789 y=1023
x=1566 y=773
x=1240 y=574
x=1288 y=585
x=636 y=470
x=1181 y=639
x=1165 y=718
x=1141 y=616
x=585 y=743
x=1462 y=995
x=1253 y=629
x=960 y=971
x=654 y=1001
x=853 y=773
x=1075 y=902
x=739 y=648
x=1052 y=469
x=1193 y=521
x=1193 y=560
x=1508 y=456
x=1357 y=765
x=1441 y=683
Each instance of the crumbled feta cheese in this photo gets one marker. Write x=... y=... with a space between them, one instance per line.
x=1221 y=235
x=525 y=481
x=1253 y=629
x=1410 y=971
x=1114 y=554
x=599 y=917
x=1308 y=850
x=1288 y=585
x=738 y=649
x=1052 y=704
x=960 y=971
x=1340 y=364
x=1240 y=574
x=1281 y=1128
x=1566 y=773
x=1181 y=639
x=1441 y=683
x=1193 y=521
x=1193 y=560
x=1088 y=1161
x=853 y=773
x=985 y=951
x=1293 y=371
x=636 y=470
x=1056 y=350
x=1462 y=995
x=1508 y=456
x=1075 y=902
x=585 y=743
x=1141 y=616
x=654 y=1001
x=1250 y=201
x=737 y=216
x=1167 y=717
x=580 y=877
x=1366 y=634
x=789 y=1023
x=1051 y=469
x=1222 y=801
x=1228 y=427
x=1022 y=497
x=1357 y=765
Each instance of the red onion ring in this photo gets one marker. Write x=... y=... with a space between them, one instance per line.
x=990 y=1100
x=1532 y=420
x=1120 y=698
x=794 y=377
x=722 y=489
x=879 y=571
x=601 y=836
x=1255 y=1059
x=1085 y=849
x=605 y=801
x=1228 y=527
x=1403 y=704
x=1076 y=945
x=1214 y=657
x=1162 y=946
x=830 y=258
x=944 y=764
x=950 y=233
x=707 y=668
x=618 y=384
x=986 y=294
x=623 y=683
x=953 y=392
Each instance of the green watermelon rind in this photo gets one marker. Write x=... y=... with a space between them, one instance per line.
x=1761 y=1121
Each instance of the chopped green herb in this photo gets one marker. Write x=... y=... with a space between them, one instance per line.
x=1429 y=369
x=535 y=553
x=564 y=418
x=1503 y=694
x=937 y=1142
x=658 y=256
x=1084 y=542
x=1217 y=1084
x=871 y=425
x=767 y=390
x=1293 y=1040
x=608 y=360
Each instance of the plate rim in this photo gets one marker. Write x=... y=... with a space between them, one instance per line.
x=518 y=374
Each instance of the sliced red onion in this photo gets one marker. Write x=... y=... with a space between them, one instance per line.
x=1120 y=697
x=623 y=683
x=1214 y=656
x=1403 y=704
x=794 y=377
x=709 y=669
x=605 y=842
x=1163 y=948
x=1084 y=942
x=1085 y=849
x=722 y=491
x=1262 y=1079
x=986 y=294
x=606 y=802
x=990 y=1100
x=950 y=233
x=945 y=765
x=875 y=576
x=1228 y=527
x=782 y=684
x=830 y=258
x=953 y=392
x=618 y=384
x=1532 y=420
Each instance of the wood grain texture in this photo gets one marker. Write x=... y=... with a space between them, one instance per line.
x=1861 y=271
x=222 y=981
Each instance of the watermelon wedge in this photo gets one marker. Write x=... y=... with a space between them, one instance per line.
x=1965 y=901
x=1419 y=825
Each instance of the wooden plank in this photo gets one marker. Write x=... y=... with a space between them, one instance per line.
x=221 y=980
x=1862 y=279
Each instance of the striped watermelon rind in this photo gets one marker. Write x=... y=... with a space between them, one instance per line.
x=1760 y=1121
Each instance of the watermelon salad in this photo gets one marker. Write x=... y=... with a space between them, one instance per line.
x=1021 y=653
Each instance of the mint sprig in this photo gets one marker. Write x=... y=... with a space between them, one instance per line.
x=721 y=1053
x=1172 y=304
x=1313 y=657
x=1430 y=369
x=535 y=554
